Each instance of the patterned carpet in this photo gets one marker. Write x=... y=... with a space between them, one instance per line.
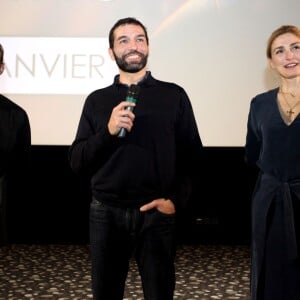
x=62 y=272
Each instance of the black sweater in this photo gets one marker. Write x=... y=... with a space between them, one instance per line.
x=162 y=148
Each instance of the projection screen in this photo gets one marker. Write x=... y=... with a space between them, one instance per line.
x=56 y=53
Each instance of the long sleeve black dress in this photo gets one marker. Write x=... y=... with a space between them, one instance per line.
x=274 y=147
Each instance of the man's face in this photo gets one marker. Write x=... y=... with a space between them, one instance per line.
x=130 y=50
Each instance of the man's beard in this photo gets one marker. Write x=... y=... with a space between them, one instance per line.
x=131 y=67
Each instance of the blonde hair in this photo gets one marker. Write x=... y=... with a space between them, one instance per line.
x=279 y=31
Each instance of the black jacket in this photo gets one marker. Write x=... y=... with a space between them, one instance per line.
x=15 y=145
x=15 y=137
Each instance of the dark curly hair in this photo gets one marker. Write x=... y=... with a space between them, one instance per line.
x=125 y=21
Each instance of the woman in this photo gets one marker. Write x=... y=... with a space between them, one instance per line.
x=273 y=144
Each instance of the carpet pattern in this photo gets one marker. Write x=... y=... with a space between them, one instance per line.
x=62 y=272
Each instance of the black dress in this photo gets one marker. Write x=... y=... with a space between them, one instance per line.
x=275 y=148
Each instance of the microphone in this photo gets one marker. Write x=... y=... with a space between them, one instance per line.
x=131 y=96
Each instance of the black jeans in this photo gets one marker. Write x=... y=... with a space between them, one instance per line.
x=117 y=234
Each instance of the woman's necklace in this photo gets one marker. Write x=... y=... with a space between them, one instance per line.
x=290 y=111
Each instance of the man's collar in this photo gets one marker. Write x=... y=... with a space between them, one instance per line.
x=141 y=81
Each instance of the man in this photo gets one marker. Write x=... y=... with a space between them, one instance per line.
x=15 y=143
x=137 y=180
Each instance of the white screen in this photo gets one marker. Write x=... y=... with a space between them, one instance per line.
x=56 y=53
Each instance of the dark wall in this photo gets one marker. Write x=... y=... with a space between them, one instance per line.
x=220 y=206
x=54 y=208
